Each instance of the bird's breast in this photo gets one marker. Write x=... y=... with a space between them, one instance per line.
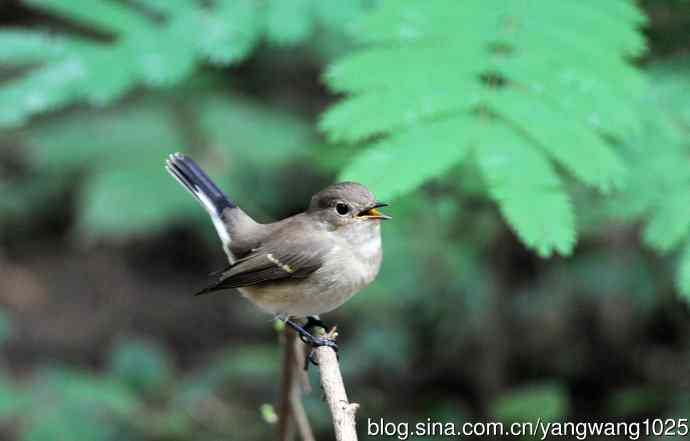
x=354 y=266
x=347 y=268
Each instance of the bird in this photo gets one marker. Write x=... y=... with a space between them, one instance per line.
x=299 y=267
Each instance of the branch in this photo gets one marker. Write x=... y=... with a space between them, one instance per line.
x=286 y=430
x=292 y=413
x=342 y=410
x=300 y=384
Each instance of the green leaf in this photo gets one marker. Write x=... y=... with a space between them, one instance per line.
x=231 y=31
x=156 y=52
x=248 y=130
x=127 y=200
x=670 y=222
x=128 y=191
x=42 y=89
x=21 y=46
x=528 y=191
x=142 y=51
x=167 y=7
x=380 y=166
x=579 y=150
x=524 y=82
x=104 y=15
x=289 y=22
x=658 y=187
x=337 y=14
x=141 y=131
x=120 y=154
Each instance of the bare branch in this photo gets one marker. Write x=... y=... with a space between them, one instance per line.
x=292 y=413
x=286 y=429
x=342 y=410
x=300 y=384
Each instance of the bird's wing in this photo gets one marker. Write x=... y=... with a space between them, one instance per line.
x=272 y=262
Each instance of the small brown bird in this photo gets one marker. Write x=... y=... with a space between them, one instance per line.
x=301 y=266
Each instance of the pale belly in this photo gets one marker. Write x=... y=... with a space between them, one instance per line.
x=299 y=300
x=326 y=289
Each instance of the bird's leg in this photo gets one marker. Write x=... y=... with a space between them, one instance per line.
x=310 y=339
x=330 y=338
x=314 y=321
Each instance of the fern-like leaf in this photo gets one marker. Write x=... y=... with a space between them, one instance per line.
x=658 y=190
x=231 y=31
x=142 y=51
x=670 y=221
x=525 y=82
x=289 y=22
x=166 y=7
x=153 y=43
x=105 y=15
x=528 y=190
x=405 y=155
x=20 y=46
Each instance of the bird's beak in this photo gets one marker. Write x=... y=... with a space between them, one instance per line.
x=373 y=212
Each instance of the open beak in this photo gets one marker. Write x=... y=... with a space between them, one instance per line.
x=373 y=212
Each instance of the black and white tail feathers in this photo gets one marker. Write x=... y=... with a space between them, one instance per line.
x=193 y=178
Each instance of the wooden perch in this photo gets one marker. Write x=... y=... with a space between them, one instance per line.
x=292 y=415
x=342 y=410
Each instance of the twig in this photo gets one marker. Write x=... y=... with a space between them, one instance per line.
x=300 y=383
x=342 y=410
x=286 y=429
x=292 y=413
x=300 y=415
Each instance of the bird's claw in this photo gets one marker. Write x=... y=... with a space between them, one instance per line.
x=320 y=341
x=309 y=338
x=307 y=334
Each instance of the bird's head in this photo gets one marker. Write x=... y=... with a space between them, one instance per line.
x=347 y=203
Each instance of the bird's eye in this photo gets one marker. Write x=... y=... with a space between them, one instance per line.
x=342 y=209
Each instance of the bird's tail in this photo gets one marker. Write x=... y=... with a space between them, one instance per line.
x=193 y=178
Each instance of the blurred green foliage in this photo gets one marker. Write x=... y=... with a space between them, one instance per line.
x=141 y=364
x=547 y=402
x=151 y=42
x=126 y=192
x=659 y=191
x=555 y=112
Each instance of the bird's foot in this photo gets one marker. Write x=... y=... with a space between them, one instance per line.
x=309 y=338
x=327 y=339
